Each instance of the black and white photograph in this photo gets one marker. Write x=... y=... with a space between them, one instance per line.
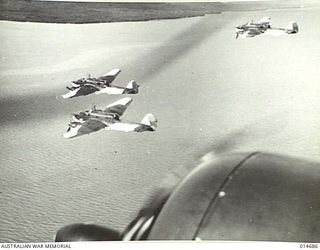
x=160 y=121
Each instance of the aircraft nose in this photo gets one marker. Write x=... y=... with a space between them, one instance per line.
x=69 y=133
x=66 y=135
x=72 y=131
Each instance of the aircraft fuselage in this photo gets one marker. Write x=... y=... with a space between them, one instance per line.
x=251 y=26
x=98 y=114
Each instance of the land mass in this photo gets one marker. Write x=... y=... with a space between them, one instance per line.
x=98 y=12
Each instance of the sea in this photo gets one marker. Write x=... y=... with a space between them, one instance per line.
x=208 y=90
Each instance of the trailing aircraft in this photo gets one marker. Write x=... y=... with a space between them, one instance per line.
x=89 y=121
x=101 y=85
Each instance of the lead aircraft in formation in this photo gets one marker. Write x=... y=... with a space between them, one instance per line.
x=89 y=121
x=263 y=27
x=101 y=85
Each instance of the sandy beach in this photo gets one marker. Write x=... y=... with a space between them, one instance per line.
x=203 y=85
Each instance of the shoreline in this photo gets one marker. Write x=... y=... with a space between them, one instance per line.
x=102 y=12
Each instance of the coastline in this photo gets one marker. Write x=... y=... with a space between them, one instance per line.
x=102 y=12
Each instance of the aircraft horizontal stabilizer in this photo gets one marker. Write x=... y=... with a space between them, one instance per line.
x=292 y=28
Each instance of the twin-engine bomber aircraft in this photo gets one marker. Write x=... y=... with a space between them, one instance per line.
x=101 y=85
x=263 y=27
x=86 y=122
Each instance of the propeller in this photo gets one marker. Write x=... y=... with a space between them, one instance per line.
x=176 y=47
x=93 y=108
x=71 y=118
x=230 y=142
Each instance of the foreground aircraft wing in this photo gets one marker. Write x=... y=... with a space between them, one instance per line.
x=110 y=76
x=87 y=127
x=81 y=91
x=254 y=32
x=92 y=125
x=119 y=107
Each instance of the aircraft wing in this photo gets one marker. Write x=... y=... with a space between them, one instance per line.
x=77 y=128
x=110 y=76
x=254 y=32
x=81 y=91
x=119 y=107
x=91 y=125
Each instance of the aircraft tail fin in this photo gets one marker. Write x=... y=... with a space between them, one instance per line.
x=265 y=19
x=132 y=88
x=292 y=28
x=150 y=121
